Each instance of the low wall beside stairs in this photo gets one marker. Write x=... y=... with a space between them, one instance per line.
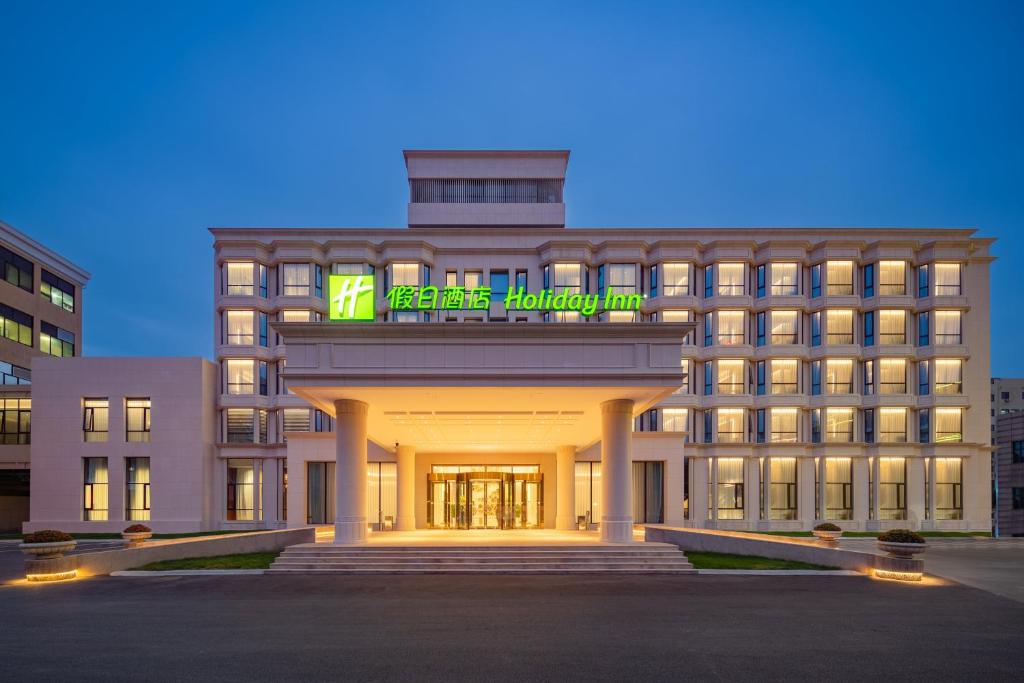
x=777 y=547
x=107 y=561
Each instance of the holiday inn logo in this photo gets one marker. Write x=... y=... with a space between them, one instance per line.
x=352 y=297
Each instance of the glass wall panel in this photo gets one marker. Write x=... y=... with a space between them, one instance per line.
x=892 y=488
x=949 y=502
x=730 y=488
x=785 y=279
x=731 y=279
x=95 y=494
x=783 y=499
x=838 y=488
x=136 y=494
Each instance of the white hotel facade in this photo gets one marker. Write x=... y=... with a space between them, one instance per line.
x=772 y=379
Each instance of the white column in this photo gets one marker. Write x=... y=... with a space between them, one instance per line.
x=406 y=487
x=805 y=485
x=860 y=492
x=616 y=473
x=565 y=480
x=271 y=492
x=752 y=491
x=350 y=472
x=713 y=492
x=931 y=491
x=915 y=492
x=698 y=492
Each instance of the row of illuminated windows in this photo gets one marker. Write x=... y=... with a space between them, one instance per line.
x=251 y=425
x=830 y=327
x=15 y=421
x=778 y=481
x=729 y=376
x=18 y=271
x=817 y=425
x=96 y=489
x=96 y=419
x=251 y=328
x=14 y=374
x=16 y=326
x=887 y=277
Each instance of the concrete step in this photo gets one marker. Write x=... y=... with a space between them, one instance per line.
x=646 y=558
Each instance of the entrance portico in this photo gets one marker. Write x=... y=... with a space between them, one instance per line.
x=491 y=395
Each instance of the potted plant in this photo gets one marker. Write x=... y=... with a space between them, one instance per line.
x=828 y=533
x=47 y=543
x=136 y=534
x=902 y=543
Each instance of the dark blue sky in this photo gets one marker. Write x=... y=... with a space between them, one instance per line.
x=125 y=131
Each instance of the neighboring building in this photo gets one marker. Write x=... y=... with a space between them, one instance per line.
x=1007 y=398
x=1010 y=464
x=770 y=379
x=123 y=440
x=41 y=315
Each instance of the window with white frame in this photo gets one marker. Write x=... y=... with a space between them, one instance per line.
x=839 y=425
x=892 y=327
x=675 y=420
x=730 y=488
x=567 y=278
x=240 y=376
x=892 y=488
x=783 y=498
x=730 y=425
x=240 y=328
x=892 y=425
x=239 y=277
x=838 y=488
x=839 y=376
x=892 y=376
x=949 y=503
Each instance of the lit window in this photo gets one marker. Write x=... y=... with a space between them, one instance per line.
x=239 y=278
x=567 y=278
x=56 y=341
x=16 y=269
x=784 y=425
x=948 y=425
x=892 y=376
x=731 y=376
x=136 y=489
x=94 y=494
x=239 y=327
x=892 y=277
x=947 y=279
x=241 y=493
x=785 y=326
x=15 y=420
x=949 y=503
x=16 y=326
x=839 y=425
x=730 y=488
x=783 y=500
x=948 y=328
x=295 y=279
x=892 y=327
x=839 y=376
x=57 y=291
x=622 y=278
x=730 y=328
x=674 y=420
x=839 y=328
x=892 y=425
x=838 y=488
x=785 y=279
x=240 y=376
x=408 y=274
x=137 y=419
x=784 y=375
x=839 y=276
x=730 y=279
x=730 y=425
x=948 y=376
x=95 y=419
x=892 y=488
x=295 y=419
x=677 y=278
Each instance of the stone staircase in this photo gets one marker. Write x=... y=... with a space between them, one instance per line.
x=637 y=558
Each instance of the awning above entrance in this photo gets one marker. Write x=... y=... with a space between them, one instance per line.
x=458 y=387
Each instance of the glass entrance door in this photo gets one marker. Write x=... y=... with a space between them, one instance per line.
x=485 y=498
x=485 y=503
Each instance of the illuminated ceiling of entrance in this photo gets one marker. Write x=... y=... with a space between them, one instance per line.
x=483 y=419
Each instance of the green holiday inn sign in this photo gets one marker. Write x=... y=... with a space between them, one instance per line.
x=352 y=299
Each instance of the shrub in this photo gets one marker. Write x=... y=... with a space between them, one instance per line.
x=828 y=526
x=137 y=529
x=47 y=536
x=900 y=536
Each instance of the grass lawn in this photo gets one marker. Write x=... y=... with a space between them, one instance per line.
x=243 y=561
x=726 y=561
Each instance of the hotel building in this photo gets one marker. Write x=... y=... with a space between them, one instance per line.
x=40 y=316
x=769 y=379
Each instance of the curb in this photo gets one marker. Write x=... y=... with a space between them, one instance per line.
x=780 y=572
x=191 y=572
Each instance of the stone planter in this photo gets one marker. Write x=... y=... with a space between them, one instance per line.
x=828 y=538
x=47 y=550
x=135 y=539
x=901 y=550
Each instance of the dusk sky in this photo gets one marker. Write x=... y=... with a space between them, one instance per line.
x=127 y=130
